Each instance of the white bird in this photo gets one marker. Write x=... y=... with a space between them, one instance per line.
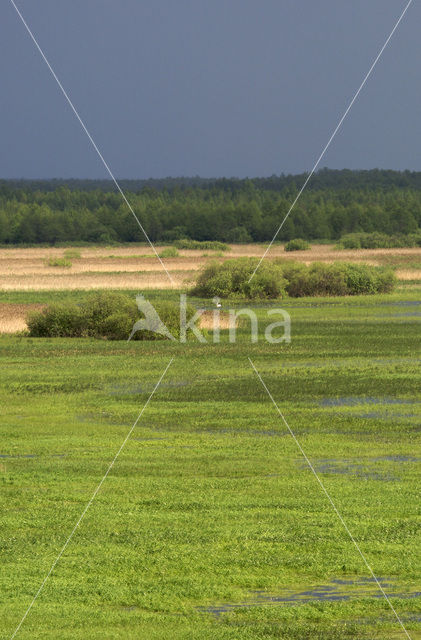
x=217 y=302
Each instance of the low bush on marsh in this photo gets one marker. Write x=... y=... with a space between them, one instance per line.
x=209 y=245
x=169 y=312
x=91 y=317
x=337 y=279
x=72 y=254
x=100 y=307
x=169 y=252
x=377 y=240
x=298 y=244
x=58 y=320
x=231 y=278
x=277 y=279
x=103 y=315
x=58 y=262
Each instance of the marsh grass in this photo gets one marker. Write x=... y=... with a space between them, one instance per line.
x=210 y=499
x=27 y=268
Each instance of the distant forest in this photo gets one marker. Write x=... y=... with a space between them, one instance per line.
x=226 y=209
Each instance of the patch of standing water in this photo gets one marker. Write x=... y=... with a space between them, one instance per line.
x=351 y=468
x=405 y=314
x=30 y=455
x=405 y=303
x=339 y=589
x=385 y=416
x=24 y=455
x=361 y=469
x=353 y=401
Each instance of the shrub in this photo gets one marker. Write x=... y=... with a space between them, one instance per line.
x=169 y=252
x=231 y=278
x=295 y=274
x=298 y=244
x=103 y=315
x=359 y=278
x=99 y=307
x=318 y=279
x=72 y=254
x=169 y=313
x=386 y=280
x=378 y=240
x=375 y=240
x=276 y=278
x=213 y=280
x=350 y=241
x=337 y=279
x=57 y=321
x=117 y=326
x=211 y=245
x=58 y=262
x=416 y=239
x=326 y=280
x=95 y=316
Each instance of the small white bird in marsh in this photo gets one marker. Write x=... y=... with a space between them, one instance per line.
x=217 y=302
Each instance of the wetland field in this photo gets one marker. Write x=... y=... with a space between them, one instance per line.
x=210 y=525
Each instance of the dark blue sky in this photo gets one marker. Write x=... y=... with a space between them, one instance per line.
x=207 y=87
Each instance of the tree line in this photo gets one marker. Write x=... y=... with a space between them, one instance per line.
x=229 y=210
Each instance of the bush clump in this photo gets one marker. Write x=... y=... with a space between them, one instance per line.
x=298 y=244
x=58 y=262
x=105 y=315
x=277 y=279
x=169 y=252
x=98 y=308
x=377 y=240
x=57 y=321
x=169 y=313
x=231 y=278
x=316 y=280
x=210 y=245
x=72 y=254
x=337 y=279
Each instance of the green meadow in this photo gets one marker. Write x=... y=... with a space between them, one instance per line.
x=210 y=525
